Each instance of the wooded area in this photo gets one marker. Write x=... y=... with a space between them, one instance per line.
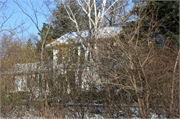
x=134 y=73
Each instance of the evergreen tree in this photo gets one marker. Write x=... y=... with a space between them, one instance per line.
x=167 y=14
x=29 y=43
x=62 y=24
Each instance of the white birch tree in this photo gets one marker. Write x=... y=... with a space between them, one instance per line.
x=95 y=15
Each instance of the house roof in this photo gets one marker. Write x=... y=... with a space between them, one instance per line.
x=26 y=68
x=105 y=32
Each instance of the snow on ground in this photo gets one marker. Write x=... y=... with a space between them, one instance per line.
x=32 y=114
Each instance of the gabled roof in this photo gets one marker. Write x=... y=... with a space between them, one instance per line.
x=105 y=32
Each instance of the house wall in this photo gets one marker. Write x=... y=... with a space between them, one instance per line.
x=84 y=78
x=28 y=83
x=55 y=57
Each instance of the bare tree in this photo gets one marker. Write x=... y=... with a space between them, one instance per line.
x=35 y=22
x=96 y=20
x=124 y=73
x=125 y=62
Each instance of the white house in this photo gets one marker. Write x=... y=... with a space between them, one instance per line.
x=26 y=73
x=26 y=77
x=105 y=32
x=22 y=80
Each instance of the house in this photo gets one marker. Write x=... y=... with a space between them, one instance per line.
x=26 y=78
x=74 y=37
x=28 y=71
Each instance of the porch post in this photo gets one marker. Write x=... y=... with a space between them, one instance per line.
x=55 y=57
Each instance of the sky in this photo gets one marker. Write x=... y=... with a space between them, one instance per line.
x=23 y=32
x=17 y=17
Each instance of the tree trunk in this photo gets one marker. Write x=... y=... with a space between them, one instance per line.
x=45 y=98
